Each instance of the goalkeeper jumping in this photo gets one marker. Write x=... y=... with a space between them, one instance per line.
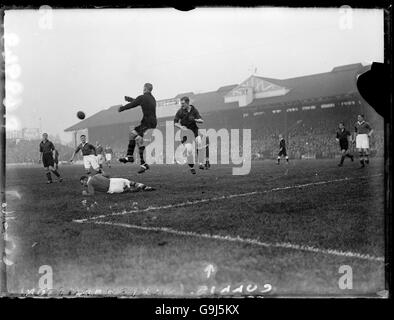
x=149 y=121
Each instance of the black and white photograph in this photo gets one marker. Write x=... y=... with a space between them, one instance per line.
x=214 y=152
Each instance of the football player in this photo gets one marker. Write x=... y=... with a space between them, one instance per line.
x=103 y=183
x=343 y=137
x=108 y=155
x=100 y=154
x=187 y=118
x=149 y=121
x=89 y=156
x=282 y=149
x=47 y=151
x=363 y=132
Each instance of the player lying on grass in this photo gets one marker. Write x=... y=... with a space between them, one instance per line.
x=103 y=183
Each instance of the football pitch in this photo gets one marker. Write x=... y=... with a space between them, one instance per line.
x=287 y=230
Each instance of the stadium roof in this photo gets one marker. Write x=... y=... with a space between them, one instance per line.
x=340 y=81
x=206 y=102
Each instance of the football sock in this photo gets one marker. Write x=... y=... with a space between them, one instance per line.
x=278 y=159
x=366 y=158
x=49 y=177
x=342 y=159
x=141 y=151
x=56 y=173
x=131 y=147
x=287 y=159
x=191 y=165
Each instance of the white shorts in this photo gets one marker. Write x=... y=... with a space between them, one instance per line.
x=108 y=156
x=362 y=141
x=90 y=161
x=117 y=185
x=100 y=159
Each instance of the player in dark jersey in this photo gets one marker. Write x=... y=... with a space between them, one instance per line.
x=187 y=117
x=149 y=121
x=282 y=149
x=103 y=183
x=344 y=137
x=47 y=150
x=89 y=156
x=363 y=132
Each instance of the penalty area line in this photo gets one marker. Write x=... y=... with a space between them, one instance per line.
x=224 y=197
x=238 y=239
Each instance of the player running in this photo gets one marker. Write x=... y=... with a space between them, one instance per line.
x=100 y=154
x=344 y=137
x=89 y=156
x=108 y=155
x=103 y=183
x=362 y=131
x=47 y=153
x=187 y=117
x=282 y=149
x=149 y=121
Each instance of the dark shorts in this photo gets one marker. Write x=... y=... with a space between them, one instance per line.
x=344 y=146
x=47 y=160
x=282 y=153
x=144 y=126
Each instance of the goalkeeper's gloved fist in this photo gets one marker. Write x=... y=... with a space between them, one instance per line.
x=120 y=109
x=128 y=99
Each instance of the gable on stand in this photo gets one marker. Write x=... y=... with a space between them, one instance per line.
x=255 y=88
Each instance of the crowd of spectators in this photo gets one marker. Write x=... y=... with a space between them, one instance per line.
x=311 y=139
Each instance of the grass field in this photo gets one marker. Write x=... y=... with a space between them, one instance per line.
x=291 y=226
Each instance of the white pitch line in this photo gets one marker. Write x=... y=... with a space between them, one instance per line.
x=284 y=245
x=224 y=197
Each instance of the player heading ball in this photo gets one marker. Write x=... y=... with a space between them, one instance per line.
x=187 y=117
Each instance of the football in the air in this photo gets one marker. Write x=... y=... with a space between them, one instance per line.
x=81 y=115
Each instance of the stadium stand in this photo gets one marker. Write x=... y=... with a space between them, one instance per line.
x=306 y=110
